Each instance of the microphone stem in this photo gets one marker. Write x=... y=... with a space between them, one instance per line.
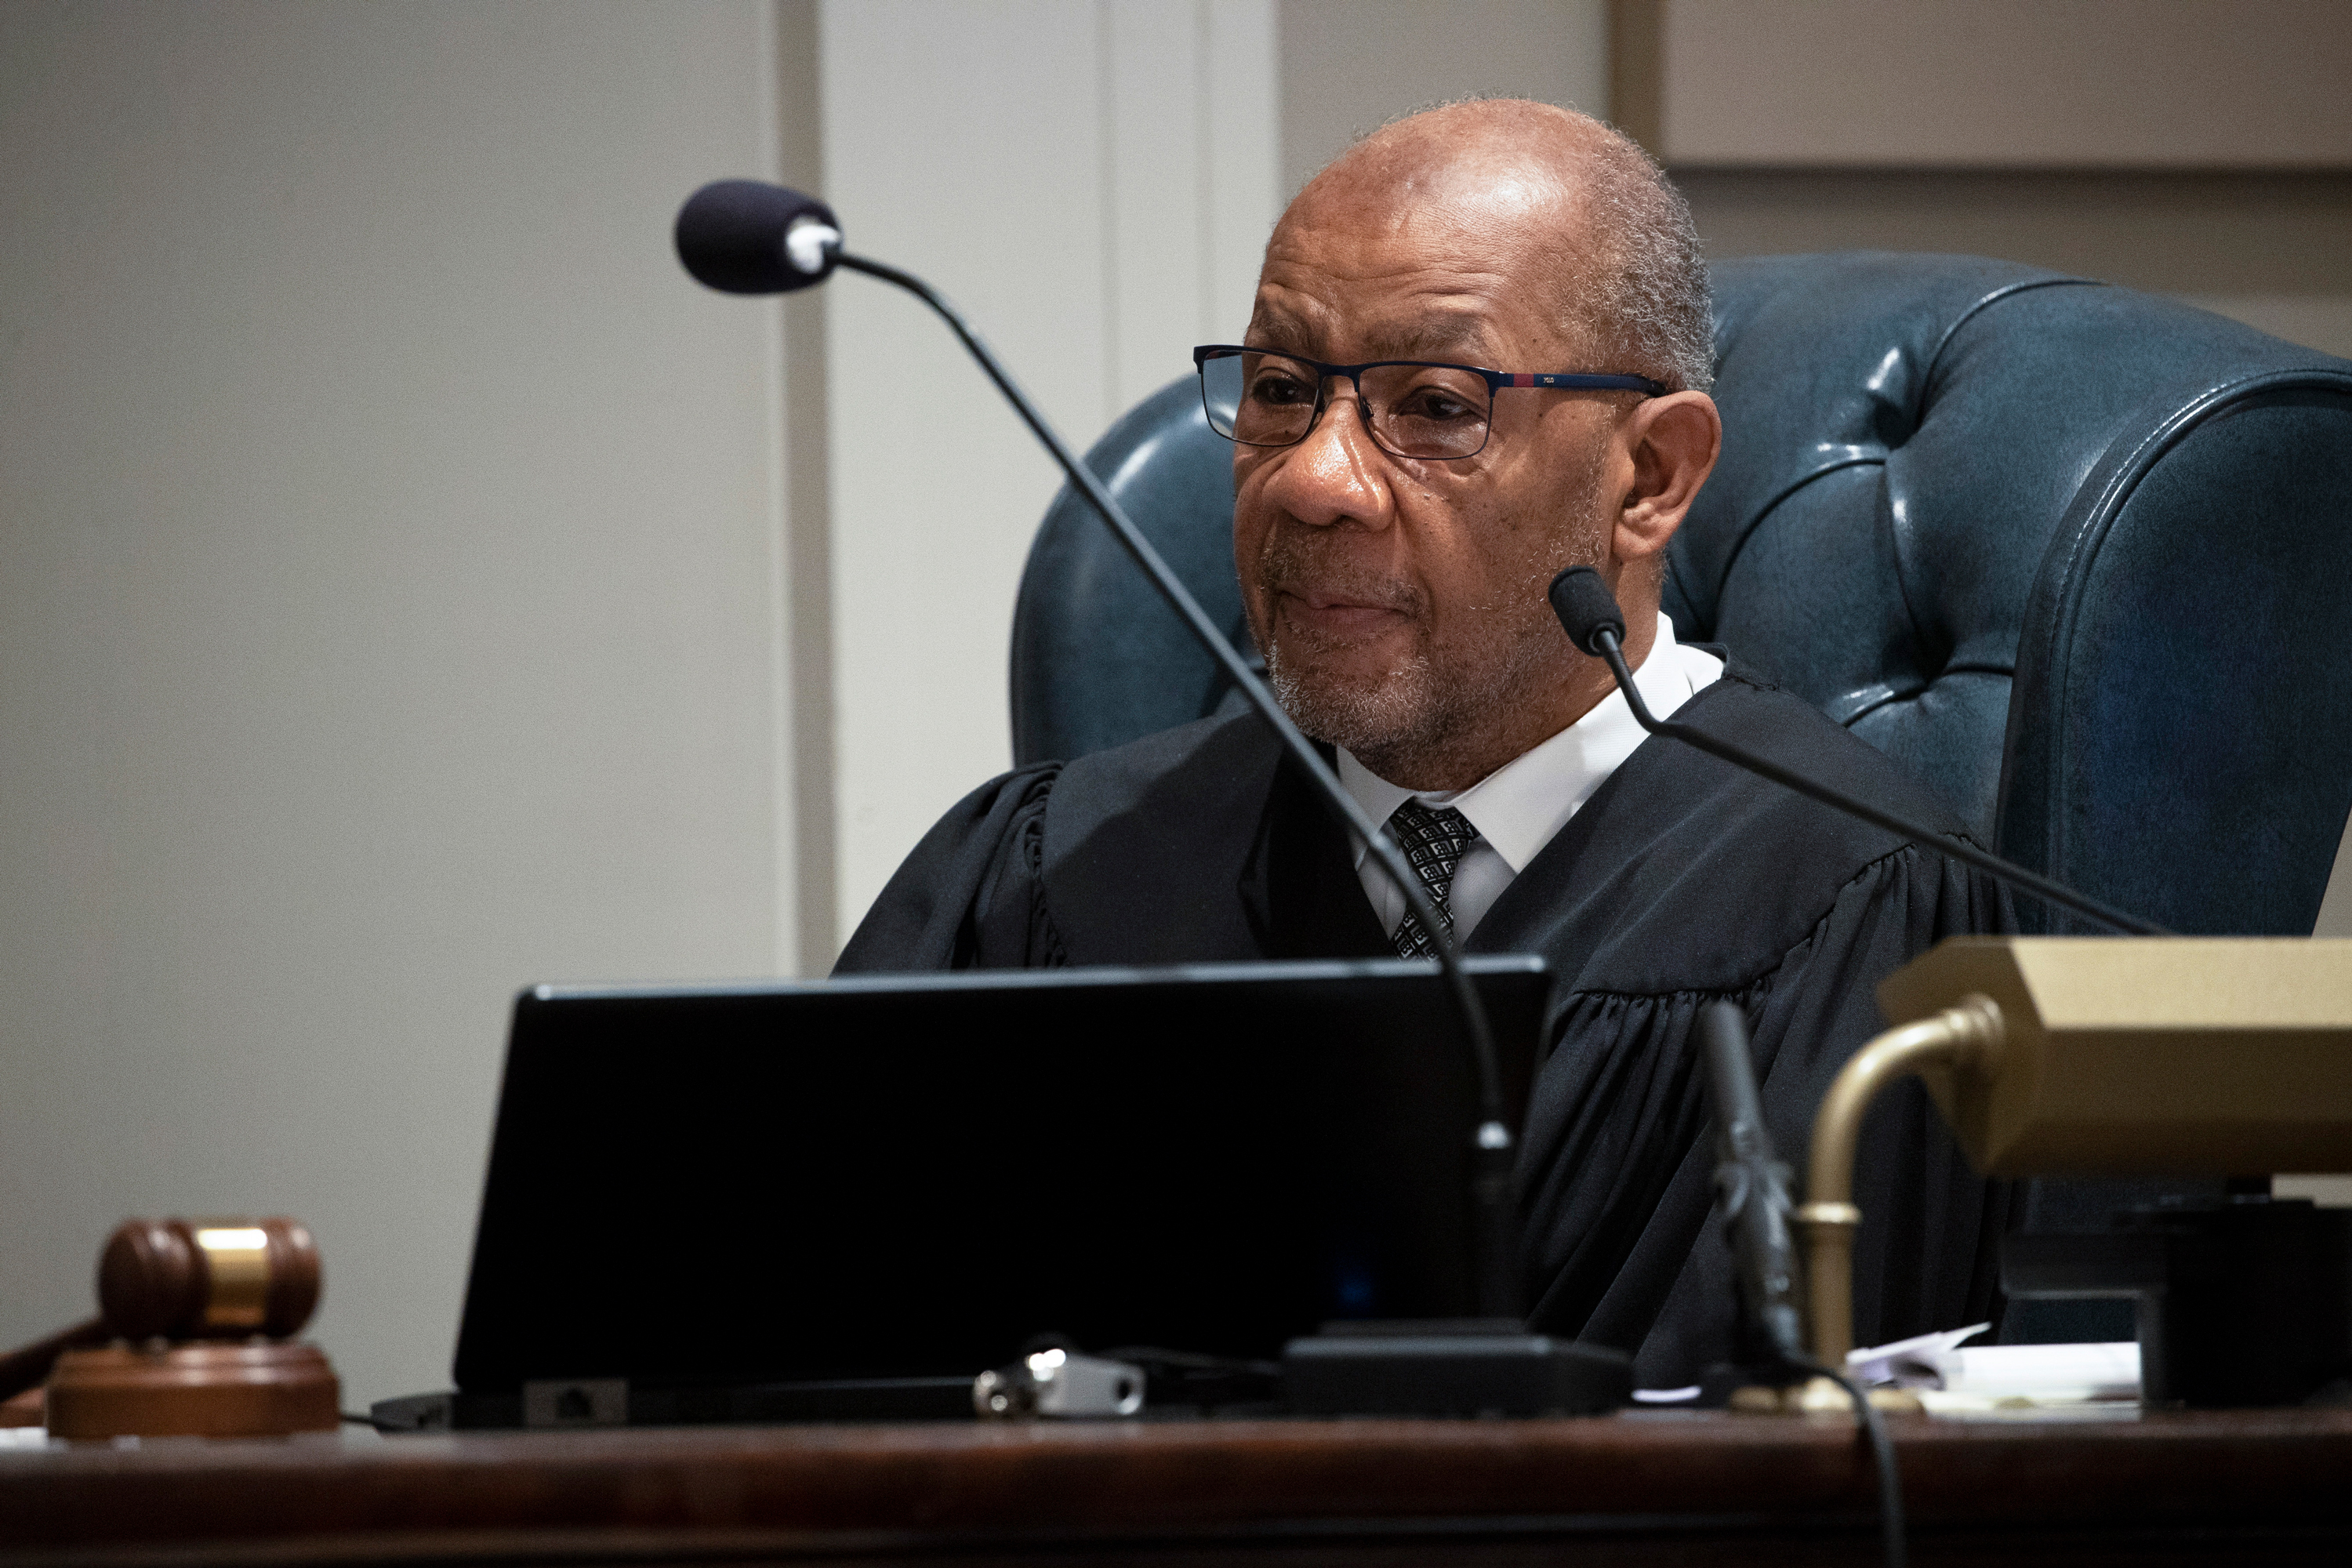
x=1959 y=849
x=1492 y=1155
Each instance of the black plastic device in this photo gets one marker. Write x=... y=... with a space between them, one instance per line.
x=758 y=1197
x=2247 y=1301
x=1492 y=1367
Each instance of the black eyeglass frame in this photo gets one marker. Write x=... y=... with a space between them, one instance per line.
x=1496 y=380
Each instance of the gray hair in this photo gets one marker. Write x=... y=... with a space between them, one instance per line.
x=1653 y=306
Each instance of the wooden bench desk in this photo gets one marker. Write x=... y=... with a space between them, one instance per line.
x=1681 y=1487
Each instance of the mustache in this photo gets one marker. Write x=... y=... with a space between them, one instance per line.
x=1302 y=566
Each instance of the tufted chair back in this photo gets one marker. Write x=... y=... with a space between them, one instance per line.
x=2078 y=558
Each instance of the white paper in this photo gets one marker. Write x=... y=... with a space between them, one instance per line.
x=1992 y=1374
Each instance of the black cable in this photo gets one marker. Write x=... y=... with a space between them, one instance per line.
x=1960 y=850
x=1492 y=1152
x=1752 y=1184
x=1881 y=1450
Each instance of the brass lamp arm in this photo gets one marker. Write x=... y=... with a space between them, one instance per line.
x=1966 y=1036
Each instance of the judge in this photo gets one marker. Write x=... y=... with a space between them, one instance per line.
x=1394 y=529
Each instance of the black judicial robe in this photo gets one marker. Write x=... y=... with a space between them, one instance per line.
x=1682 y=880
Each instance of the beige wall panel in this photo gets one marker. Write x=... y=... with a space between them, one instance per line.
x=1154 y=183
x=962 y=142
x=388 y=536
x=1352 y=65
x=2328 y=1192
x=2335 y=906
x=1244 y=135
x=2001 y=84
x=1090 y=180
x=2273 y=250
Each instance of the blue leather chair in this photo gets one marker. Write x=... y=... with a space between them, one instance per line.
x=2081 y=559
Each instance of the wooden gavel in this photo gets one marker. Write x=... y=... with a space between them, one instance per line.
x=187 y=1279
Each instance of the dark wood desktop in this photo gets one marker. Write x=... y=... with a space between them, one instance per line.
x=2272 y=1486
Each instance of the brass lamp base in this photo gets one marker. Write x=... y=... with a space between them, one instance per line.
x=267 y=1389
x=1818 y=1396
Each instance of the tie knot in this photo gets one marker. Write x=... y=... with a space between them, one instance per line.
x=1431 y=835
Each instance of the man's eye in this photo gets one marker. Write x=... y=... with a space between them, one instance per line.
x=1434 y=403
x=1280 y=390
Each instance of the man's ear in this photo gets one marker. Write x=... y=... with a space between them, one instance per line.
x=1673 y=442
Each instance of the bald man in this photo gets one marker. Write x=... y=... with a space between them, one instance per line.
x=1480 y=353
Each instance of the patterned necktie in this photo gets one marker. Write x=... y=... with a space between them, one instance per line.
x=1433 y=839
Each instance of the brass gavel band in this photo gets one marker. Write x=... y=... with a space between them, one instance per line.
x=1965 y=1038
x=236 y=1256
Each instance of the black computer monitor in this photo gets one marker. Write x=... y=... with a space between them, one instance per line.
x=912 y=1177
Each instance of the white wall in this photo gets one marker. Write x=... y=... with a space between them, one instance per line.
x=1092 y=182
x=1352 y=65
x=388 y=604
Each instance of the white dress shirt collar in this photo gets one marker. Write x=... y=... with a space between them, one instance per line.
x=1519 y=806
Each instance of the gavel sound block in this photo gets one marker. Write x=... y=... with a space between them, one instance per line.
x=194 y=1337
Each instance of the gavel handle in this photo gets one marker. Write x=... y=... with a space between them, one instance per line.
x=21 y=1369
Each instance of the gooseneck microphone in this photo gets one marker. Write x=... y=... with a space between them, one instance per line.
x=1751 y=1189
x=1752 y=1185
x=1588 y=613
x=744 y=237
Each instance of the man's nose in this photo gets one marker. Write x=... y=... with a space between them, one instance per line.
x=1333 y=474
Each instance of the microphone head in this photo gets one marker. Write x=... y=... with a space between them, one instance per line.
x=745 y=236
x=1585 y=606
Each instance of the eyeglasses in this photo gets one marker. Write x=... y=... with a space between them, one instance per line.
x=1413 y=408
